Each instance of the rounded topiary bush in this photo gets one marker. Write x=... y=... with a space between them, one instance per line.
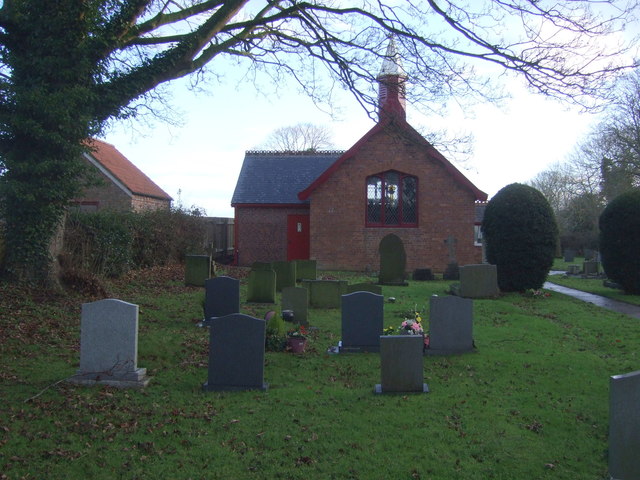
x=620 y=240
x=520 y=234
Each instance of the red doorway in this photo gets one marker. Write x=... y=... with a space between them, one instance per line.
x=298 y=237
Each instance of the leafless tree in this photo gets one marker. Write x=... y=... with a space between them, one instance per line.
x=300 y=137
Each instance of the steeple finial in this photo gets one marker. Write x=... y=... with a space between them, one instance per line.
x=392 y=80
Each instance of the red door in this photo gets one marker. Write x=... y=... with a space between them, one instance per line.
x=297 y=237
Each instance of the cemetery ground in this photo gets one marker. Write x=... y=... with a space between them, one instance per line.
x=532 y=402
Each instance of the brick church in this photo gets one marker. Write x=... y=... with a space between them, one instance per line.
x=335 y=207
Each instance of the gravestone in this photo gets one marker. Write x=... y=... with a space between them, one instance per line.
x=362 y=322
x=364 y=287
x=452 y=270
x=306 y=270
x=285 y=274
x=109 y=345
x=590 y=267
x=197 y=269
x=325 y=293
x=569 y=255
x=401 y=368
x=261 y=286
x=393 y=261
x=478 y=281
x=573 y=269
x=422 y=275
x=624 y=426
x=221 y=297
x=236 y=353
x=296 y=299
x=450 y=325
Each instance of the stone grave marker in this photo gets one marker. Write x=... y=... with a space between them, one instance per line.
x=478 y=281
x=452 y=270
x=569 y=255
x=285 y=274
x=306 y=270
x=261 y=286
x=624 y=426
x=450 y=325
x=325 y=293
x=236 y=353
x=573 y=269
x=364 y=287
x=422 y=275
x=197 y=270
x=393 y=261
x=401 y=368
x=362 y=322
x=590 y=267
x=221 y=297
x=296 y=299
x=109 y=345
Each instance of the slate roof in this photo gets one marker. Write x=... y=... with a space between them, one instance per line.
x=123 y=170
x=276 y=178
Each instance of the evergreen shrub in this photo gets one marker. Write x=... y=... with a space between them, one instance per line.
x=620 y=240
x=520 y=234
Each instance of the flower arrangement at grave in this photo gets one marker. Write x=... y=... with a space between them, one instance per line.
x=298 y=332
x=411 y=325
x=537 y=293
x=297 y=339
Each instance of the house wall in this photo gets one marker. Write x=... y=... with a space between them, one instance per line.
x=140 y=203
x=105 y=195
x=261 y=233
x=339 y=238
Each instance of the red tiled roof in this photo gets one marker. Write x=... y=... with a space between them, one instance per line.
x=126 y=172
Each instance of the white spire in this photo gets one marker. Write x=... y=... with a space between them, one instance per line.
x=392 y=63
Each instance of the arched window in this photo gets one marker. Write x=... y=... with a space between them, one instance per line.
x=392 y=200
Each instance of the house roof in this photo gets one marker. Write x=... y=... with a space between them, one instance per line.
x=118 y=166
x=394 y=119
x=275 y=178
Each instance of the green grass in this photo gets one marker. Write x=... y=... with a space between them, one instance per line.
x=532 y=402
x=591 y=285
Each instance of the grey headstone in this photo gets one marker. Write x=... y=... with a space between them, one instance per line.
x=109 y=345
x=450 y=325
x=452 y=272
x=478 y=281
x=569 y=255
x=393 y=261
x=422 y=275
x=590 y=267
x=261 y=287
x=285 y=274
x=624 y=426
x=362 y=322
x=221 y=297
x=236 y=353
x=573 y=269
x=297 y=300
x=451 y=242
x=306 y=269
x=325 y=293
x=401 y=368
x=364 y=287
x=197 y=270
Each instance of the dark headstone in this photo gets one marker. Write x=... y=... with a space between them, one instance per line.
x=236 y=353
x=197 y=269
x=362 y=322
x=221 y=297
x=393 y=261
x=109 y=345
x=296 y=299
x=573 y=269
x=285 y=274
x=590 y=267
x=422 y=275
x=306 y=269
x=569 y=255
x=401 y=364
x=364 y=287
x=624 y=426
x=478 y=281
x=452 y=272
x=261 y=287
x=450 y=325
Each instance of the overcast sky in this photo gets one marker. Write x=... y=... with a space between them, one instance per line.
x=202 y=158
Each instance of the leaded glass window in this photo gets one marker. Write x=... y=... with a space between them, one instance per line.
x=392 y=199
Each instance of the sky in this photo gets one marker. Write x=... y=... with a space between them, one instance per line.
x=198 y=162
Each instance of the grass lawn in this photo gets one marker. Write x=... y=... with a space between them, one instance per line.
x=591 y=285
x=531 y=403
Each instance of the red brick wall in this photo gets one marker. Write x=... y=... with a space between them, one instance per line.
x=261 y=233
x=339 y=238
x=140 y=203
